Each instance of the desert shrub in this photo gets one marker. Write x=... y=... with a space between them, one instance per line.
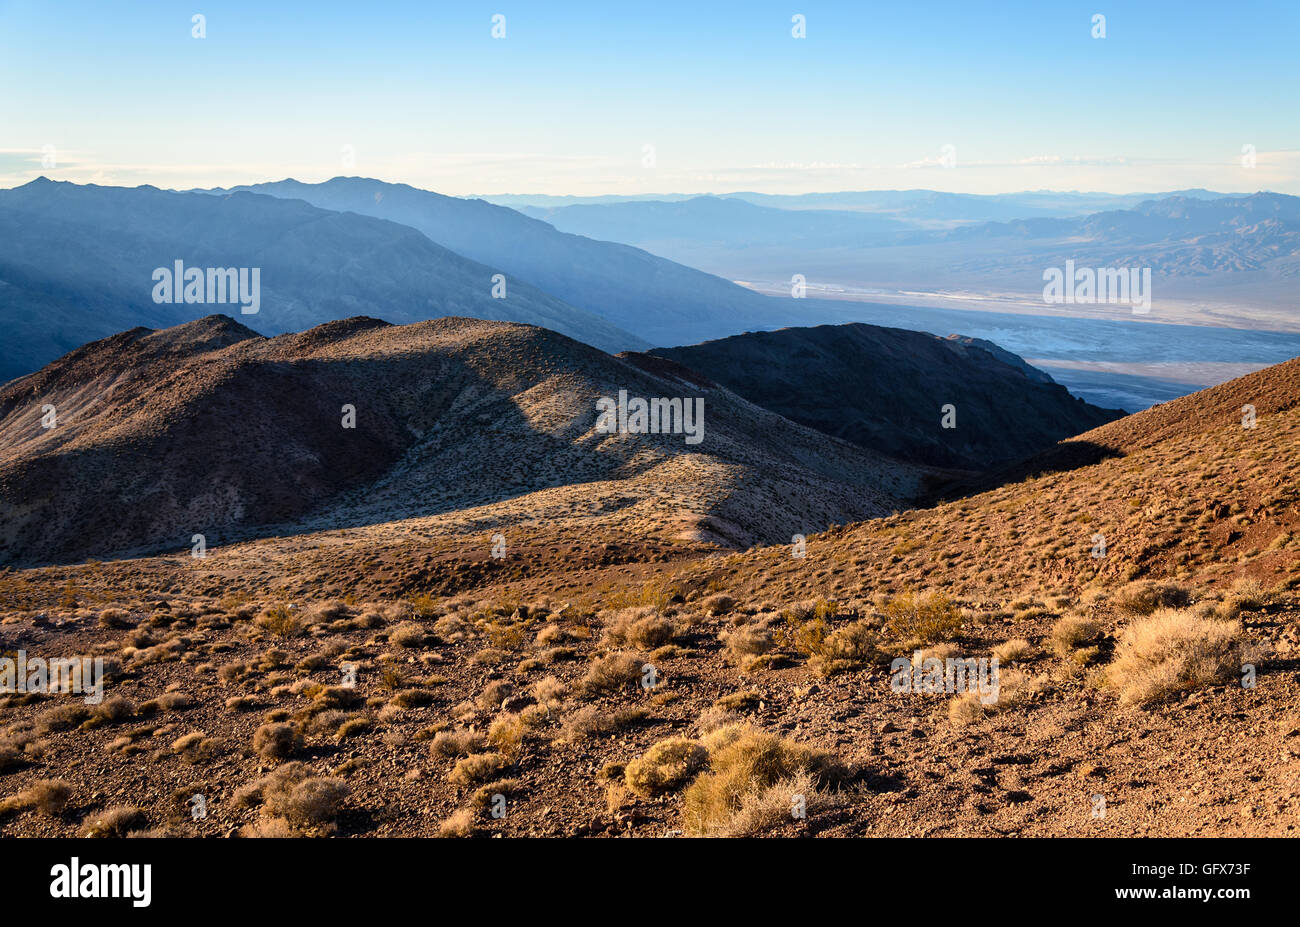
x=743 y=764
x=477 y=768
x=510 y=636
x=1144 y=597
x=276 y=741
x=117 y=618
x=847 y=648
x=639 y=627
x=112 y=711
x=1076 y=638
x=61 y=718
x=928 y=618
x=48 y=796
x=267 y=828
x=354 y=727
x=407 y=634
x=1246 y=595
x=507 y=733
x=1013 y=651
x=738 y=701
x=549 y=690
x=804 y=635
x=747 y=641
x=761 y=811
x=114 y=822
x=456 y=743
x=587 y=721
x=665 y=767
x=460 y=824
x=411 y=698
x=311 y=802
x=612 y=672
x=494 y=693
x=718 y=604
x=195 y=746
x=1173 y=651
x=280 y=621
x=452 y=628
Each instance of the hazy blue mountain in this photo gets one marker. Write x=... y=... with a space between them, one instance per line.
x=919 y=208
x=724 y=221
x=700 y=230
x=77 y=263
x=1176 y=236
x=649 y=296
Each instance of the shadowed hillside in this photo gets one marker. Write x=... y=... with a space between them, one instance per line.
x=885 y=389
x=209 y=428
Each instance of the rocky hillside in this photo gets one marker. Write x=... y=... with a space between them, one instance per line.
x=209 y=428
x=885 y=388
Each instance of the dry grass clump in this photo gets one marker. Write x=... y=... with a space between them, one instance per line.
x=738 y=701
x=290 y=793
x=718 y=604
x=1144 y=597
x=508 y=732
x=1173 y=651
x=549 y=690
x=1014 y=690
x=460 y=824
x=665 y=767
x=116 y=618
x=850 y=647
x=747 y=642
x=790 y=799
x=114 y=822
x=640 y=626
x=61 y=718
x=477 y=768
x=48 y=796
x=310 y=803
x=408 y=634
x=1246 y=595
x=590 y=721
x=494 y=693
x=456 y=744
x=1077 y=639
x=1013 y=651
x=928 y=618
x=804 y=629
x=745 y=763
x=196 y=747
x=280 y=621
x=613 y=672
x=276 y=741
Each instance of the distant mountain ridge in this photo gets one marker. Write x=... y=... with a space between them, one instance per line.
x=76 y=264
x=653 y=298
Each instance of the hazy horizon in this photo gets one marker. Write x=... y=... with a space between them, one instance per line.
x=589 y=101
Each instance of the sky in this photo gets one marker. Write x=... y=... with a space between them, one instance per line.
x=635 y=98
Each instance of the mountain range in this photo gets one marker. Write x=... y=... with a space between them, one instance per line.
x=657 y=300
x=77 y=264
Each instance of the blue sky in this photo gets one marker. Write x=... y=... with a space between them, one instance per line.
x=568 y=101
